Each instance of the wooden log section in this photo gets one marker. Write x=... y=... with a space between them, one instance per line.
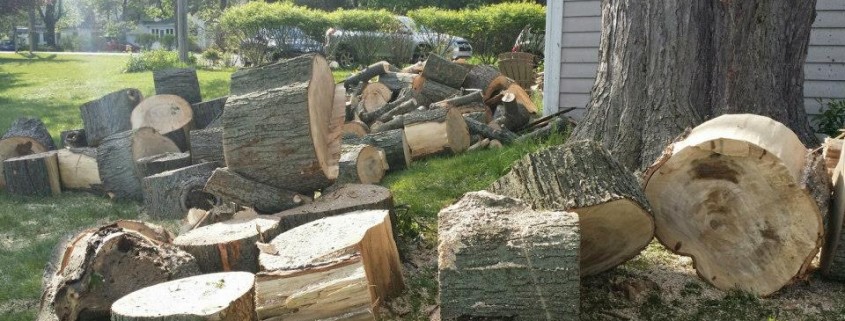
x=151 y=165
x=33 y=128
x=436 y=131
x=582 y=177
x=117 y=155
x=471 y=98
x=33 y=175
x=181 y=82
x=170 y=194
x=498 y=258
x=375 y=96
x=355 y=128
x=443 y=71
x=226 y=296
x=831 y=149
x=404 y=103
x=430 y=91
x=476 y=108
x=393 y=143
x=348 y=271
x=229 y=245
x=282 y=73
x=488 y=79
x=372 y=71
x=73 y=138
x=340 y=200
x=109 y=115
x=522 y=97
x=300 y=119
x=233 y=187
x=553 y=126
x=832 y=264
x=477 y=128
x=207 y=111
x=515 y=115
x=170 y=115
x=361 y=164
x=17 y=146
x=78 y=169
x=207 y=146
x=397 y=81
x=738 y=186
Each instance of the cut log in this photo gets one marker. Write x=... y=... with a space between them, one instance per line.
x=832 y=264
x=582 y=177
x=78 y=169
x=33 y=175
x=487 y=78
x=368 y=73
x=17 y=146
x=341 y=200
x=471 y=98
x=436 y=131
x=481 y=118
x=477 y=128
x=430 y=91
x=397 y=81
x=398 y=122
x=170 y=194
x=74 y=138
x=522 y=97
x=738 y=187
x=302 y=117
x=33 y=128
x=227 y=296
x=279 y=74
x=393 y=143
x=355 y=128
x=515 y=115
x=375 y=96
x=205 y=113
x=405 y=102
x=229 y=245
x=443 y=71
x=151 y=165
x=348 y=271
x=831 y=149
x=360 y=164
x=169 y=115
x=233 y=187
x=117 y=155
x=109 y=115
x=416 y=68
x=498 y=258
x=207 y=146
x=181 y=82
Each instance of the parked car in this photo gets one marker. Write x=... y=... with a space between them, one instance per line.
x=115 y=45
x=7 y=45
x=343 y=44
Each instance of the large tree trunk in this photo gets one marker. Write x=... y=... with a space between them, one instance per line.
x=670 y=65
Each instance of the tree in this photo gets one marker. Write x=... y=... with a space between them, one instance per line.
x=51 y=12
x=669 y=65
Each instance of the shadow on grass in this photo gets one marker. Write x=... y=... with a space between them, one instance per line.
x=9 y=80
x=24 y=59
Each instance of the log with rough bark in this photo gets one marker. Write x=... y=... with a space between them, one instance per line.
x=832 y=264
x=340 y=200
x=170 y=194
x=398 y=122
x=740 y=186
x=443 y=71
x=32 y=128
x=33 y=175
x=355 y=128
x=229 y=245
x=117 y=156
x=522 y=97
x=429 y=91
x=17 y=146
x=181 y=82
x=78 y=169
x=478 y=128
x=360 y=164
x=226 y=296
x=372 y=71
x=206 y=112
x=582 y=177
x=554 y=125
x=515 y=115
x=73 y=138
x=487 y=78
x=207 y=146
x=109 y=115
x=169 y=115
x=498 y=258
x=374 y=97
x=151 y=165
x=348 y=271
x=436 y=131
x=231 y=186
x=470 y=98
x=397 y=81
x=279 y=74
x=100 y=265
x=831 y=150
x=404 y=103
x=482 y=117
x=26 y=136
x=306 y=122
x=393 y=143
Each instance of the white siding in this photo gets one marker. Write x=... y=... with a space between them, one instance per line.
x=580 y=36
x=824 y=71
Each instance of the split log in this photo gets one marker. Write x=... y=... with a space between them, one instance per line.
x=515 y=114
x=264 y=198
x=360 y=164
x=181 y=82
x=376 y=69
x=430 y=91
x=229 y=245
x=471 y=98
x=393 y=143
x=341 y=200
x=33 y=175
x=74 y=138
x=832 y=264
x=280 y=74
x=738 y=186
x=499 y=258
x=109 y=115
x=443 y=71
x=831 y=149
x=78 y=169
x=207 y=146
x=375 y=96
x=117 y=155
x=33 y=128
x=487 y=78
x=151 y=165
x=477 y=128
x=355 y=128
x=582 y=177
x=205 y=113
x=348 y=271
x=170 y=194
x=227 y=296
x=436 y=131
x=306 y=122
x=397 y=81
x=17 y=146
x=169 y=115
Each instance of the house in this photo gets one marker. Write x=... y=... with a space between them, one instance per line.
x=160 y=28
x=573 y=31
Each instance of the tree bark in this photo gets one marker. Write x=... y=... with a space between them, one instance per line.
x=170 y=194
x=374 y=97
x=33 y=175
x=343 y=199
x=397 y=81
x=207 y=146
x=109 y=115
x=73 y=138
x=444 y=71
x=17 y=146
x=151 y=165
x=477 y=128
x=206 y=112
x=279 y=74
x=832 y=263
x=170 y=115
x=78 y=169
x=486 y=78
x=360 y=164
x=117 y=155
x=368 y=73
x=233 y=187
x=670 y=66
x=430 y=91
x=473 y=97
x=33 y=128
x=393 y=143
x=181 y=82
x=356 y=129
x=230 y=245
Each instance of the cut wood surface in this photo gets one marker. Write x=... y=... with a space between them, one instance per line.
x=151 y=165
x=340 y=200
x=33 y=175
x=279 y=74
x=582 y=177
x=226 y=296
x=522 y=97
x=375 y=96
x=376 y=69
x=443 y=71
x=516 y=115
x=832 y=264
x=181 y=82
x=33 y=128
x=737 y=187
x=404 y=103
x=498 y=258
x=170 y=115
x=73 y=138
x=350 y=269
x=361 y=164
x=355 y=128
x=109 y=115
x=116 y=158
x=229 y=245
x=170 y=194
x=487 y=78
x=207 y=111
x=17 y=146
x=395 y=146
x=436 y=131
x=233 y=187
x=78 y=169
x=207 y=146
x=430 y=91
x=831 y=149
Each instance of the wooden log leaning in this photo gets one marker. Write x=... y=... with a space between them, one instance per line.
x=435 y=132
x=233 y=187
x=33 y=128
x=405 y=102
x=443 y=71
x=151 y=165
x=229 y=245
x=207 y=146
x=493 y=249
x=376 y=69
x=207 y=111
x=78 y=169
x=582 y=177
x=33 y=175
x=170 y=115
x=227 y=296
x=340 y=200
x=73 y=138
x=360 y=164
x=182 y=82
x=109 y=115
x=116 y=157
x=170 y=194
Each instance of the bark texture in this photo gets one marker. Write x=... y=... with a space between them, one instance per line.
x=360 y=164
x=117 y=156
x=170 y=194
x=264 y=198
x=431 y=91
x=207 y=146
x=394 y=145
x=275 y=75
x=207 y=111
x=229 y=245
x=343 y=199
x=33 y=175
x=151 y=165
x=33 y=128
x=443 y=71
x=486 y=78
x=17 y=146
x=181 y=82
x=832 y=263
x=109 y=115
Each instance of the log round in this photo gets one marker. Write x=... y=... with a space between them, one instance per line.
x=436 y=131
x=229 y=245
x=117 y=155
x=170 y=115
x=17 y=146
x=33 y=128
x=732 y=196
x=429 y=91
x=170 y=194
x=360 y=164
x=444 y=71
x=33 y=175
x=355 y=128
x=395 y=146
x=109 y=115
x=375 y=96
x=264 y=198
x=78 y=169
x=226 y=296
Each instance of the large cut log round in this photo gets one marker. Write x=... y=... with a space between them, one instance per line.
x=582 y=177
x=342 y=199
x=436 y=131
x=229 y=245
x=375 y=96
x=33 y=128
x=170 y=115
x=33 y=175
x=444 y=71
x=181 y=82
x=361 y=164
x=17 y=146
x=226 y=296
x=734 y=195
x=78 y=169
x=109 y=115
x=264 y=198
x=288 y=137
x=279 y=74
x=117 y=155
x=170 y=194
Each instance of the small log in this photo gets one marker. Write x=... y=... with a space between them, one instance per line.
x=302 y=276
x=404 y=103
x=78 y=169
x=360 y=164
x=397 y=81
x=481 y=144
x=170 y=194
x=17 y=146
x=227 y=296
x=279 y=74
x=109 y=115
x=477 y=128
x=33 y=128
x=435 y=132
x=231 y=186
x=117 y=155
x=207 y=111
x=207 y=146
x=555 y=125
x=403 y=107
x=229 y=245
x=170 y=115
x=376 y=69
x=443 y=71
x=498 y=258
x=375 y=96
x=181 y=82
x=522 y=97
x=516 y=115
x=393 y=143
x=355 y=128
x=33 y=175
x=340 y=200
x=151 y=165
x=74 y=138
x=481 y=117
x=468 y=99
x=430 y=91
x=488 y=79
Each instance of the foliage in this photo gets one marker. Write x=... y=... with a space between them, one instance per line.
x=831 y=118
x=147 y=40
x=212 y=55
x=167 y=41
x=156 y=60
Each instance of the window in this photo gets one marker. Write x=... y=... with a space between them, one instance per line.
x=169 y=31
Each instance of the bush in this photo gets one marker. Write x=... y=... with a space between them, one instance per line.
x=168 y=41
x=146 y=40
x=212 y=55
x=831 y=118
x=156 y=60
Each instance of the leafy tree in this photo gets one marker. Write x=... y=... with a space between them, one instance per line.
x=51 y=11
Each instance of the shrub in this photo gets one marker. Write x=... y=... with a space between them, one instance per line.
x=146 y=40
x=831 y=118
x=168 y=41
x=156 y=60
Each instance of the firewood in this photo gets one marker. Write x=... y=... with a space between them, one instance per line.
x=555 y=125
x=33 y=128
x=502 y=134
x=229 y=245
x=444 y=71
x=231 y=186
x=481 y=144
x=397 y=81
x=33 y=175
x=340 y=200
x=117 y=155
x=495 y=144
x=430 y=91
x=360 y=164
x=515 y=114
x=368 y=73
x=493 y=249
x=582 y=177
x=522 y=97
x=78 y=169
x=832 y=264
x=436 y=131
x=355 y=128
x=404 y=103
x=170 y=194
x=181 y=82
x=831 y=149
x=394 y=144
x=398 y=122
x=207 y=146
x=416 y=68
x=374 y=96
x=109 y=115
x=73 y=138
x=151 y=165
x=302 y=276
x=739 y=186
x=25 y=137
x=487 y=78
x=279 y=74
x=476 y=107
x=207 y=111
x=170 y=115
x=471 y=98
x=482 y=117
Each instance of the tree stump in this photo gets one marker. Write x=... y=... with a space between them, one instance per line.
x=151 y=165
x=117 y=155
x=443 y=71
x=206 y=112
x=435 y=132
x=170 y=115
x=500 y=258
x=227 y=296
x=170 y=194
x=430 y=91
x=74 y=138
x=207 y=146
x=78 y=169
x=582 y=177
x=26 y=136
x=109 y=115
x=302 y=276
x=233 y=187
x=181 y=82
x=33 y=175
x=229 y=245
x=342 y=199
x=739 y=186
x=486 y=78
x=33 y=128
